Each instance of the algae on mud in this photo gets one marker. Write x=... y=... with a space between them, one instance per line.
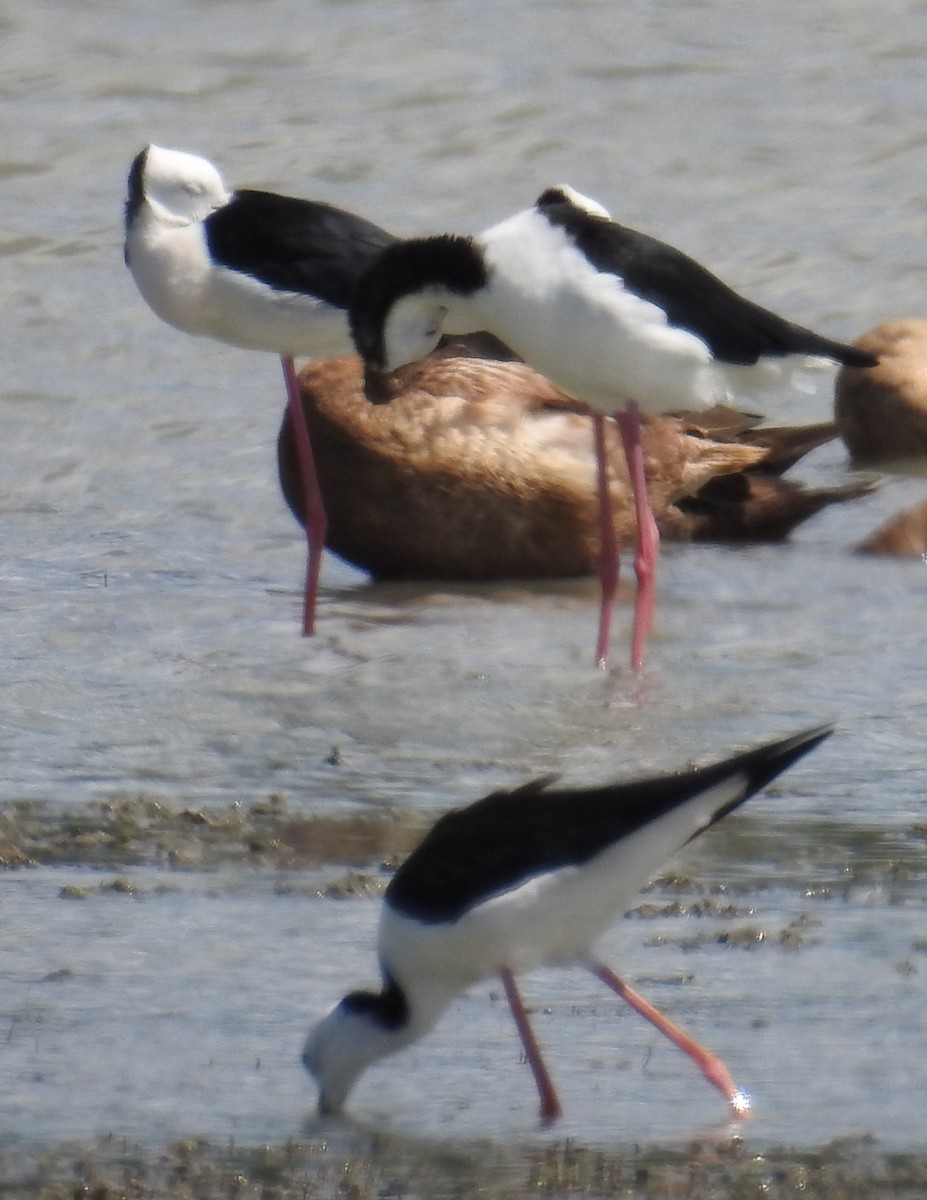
x=354 y=1164
x=142 y=830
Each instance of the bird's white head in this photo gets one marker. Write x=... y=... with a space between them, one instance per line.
x=413 y=328
x=178 y=188
x=359 y=1030
x=335 y=1055
x=414 y=292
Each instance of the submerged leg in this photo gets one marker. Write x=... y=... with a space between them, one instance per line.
x=608 y=546
x=709 y=1064
x=550 y=1105
x=314 y=507
x=648 y=536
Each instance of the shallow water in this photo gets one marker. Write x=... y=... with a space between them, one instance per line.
x=149 y=594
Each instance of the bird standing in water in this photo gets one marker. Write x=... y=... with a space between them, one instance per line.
x=527 y=878
x=255 y=270
x=619 y=320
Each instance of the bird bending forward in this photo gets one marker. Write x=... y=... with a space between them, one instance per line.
x=252 y=269
x=619 y=320
x=525 y=878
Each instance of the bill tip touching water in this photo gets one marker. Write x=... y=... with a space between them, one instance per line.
x=525 y=878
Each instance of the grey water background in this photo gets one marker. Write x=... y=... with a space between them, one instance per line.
x=150 y=574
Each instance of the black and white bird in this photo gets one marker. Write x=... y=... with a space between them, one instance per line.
x=253 y=269
x=527 y=878
x=616 y=318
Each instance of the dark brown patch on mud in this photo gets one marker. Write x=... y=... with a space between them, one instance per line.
x=136 y=831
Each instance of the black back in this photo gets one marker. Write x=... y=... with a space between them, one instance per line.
x=736 y=330
x=295 y=245
x=507 y=838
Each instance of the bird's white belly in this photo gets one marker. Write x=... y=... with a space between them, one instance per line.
x=250 y=314
x=611 y=352
x=555 y=917
x=584 y=330
x=175 y=276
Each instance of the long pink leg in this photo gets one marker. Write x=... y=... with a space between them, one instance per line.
x=709 y=1064
x=608 y=545
x=550 y=1104
x=314 y=514
x=648 y=536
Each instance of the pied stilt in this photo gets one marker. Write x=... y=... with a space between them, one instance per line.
x=520 y=879
x=616 y=318
x=253 y=269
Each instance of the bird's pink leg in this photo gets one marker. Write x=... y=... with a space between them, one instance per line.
x=314 y=506
x=648 y=536
x=550 y=1104
x=709 y=1064
x=608 y=545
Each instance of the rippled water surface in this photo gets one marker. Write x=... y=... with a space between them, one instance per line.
x=149 y=587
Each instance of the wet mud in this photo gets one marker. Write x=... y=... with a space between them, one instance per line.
x=356 y=1165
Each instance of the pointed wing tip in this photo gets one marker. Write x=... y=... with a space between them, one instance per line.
x=807 y=739
x=771 y=760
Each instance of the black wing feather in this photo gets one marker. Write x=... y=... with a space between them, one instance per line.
x=295 y=245
x=736 y=330
x=509 y=837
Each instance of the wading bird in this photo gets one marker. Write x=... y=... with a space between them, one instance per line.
x=619 y=320
x=521 y=879
x=253 y=269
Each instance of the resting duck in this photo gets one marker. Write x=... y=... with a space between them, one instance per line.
x=480 y=469
x=881 y=411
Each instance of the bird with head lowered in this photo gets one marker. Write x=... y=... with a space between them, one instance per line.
x=622 y=322
x=523 y=879
x=252 y=269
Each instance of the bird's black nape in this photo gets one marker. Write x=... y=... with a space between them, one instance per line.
x=135 y=190
x=445 y=261
x=389 y=1008
x=551 y=196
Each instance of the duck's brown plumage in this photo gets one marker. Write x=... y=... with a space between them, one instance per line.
x=904 y=536
x=881 y=411
x=753 y=506
x=480 y=469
